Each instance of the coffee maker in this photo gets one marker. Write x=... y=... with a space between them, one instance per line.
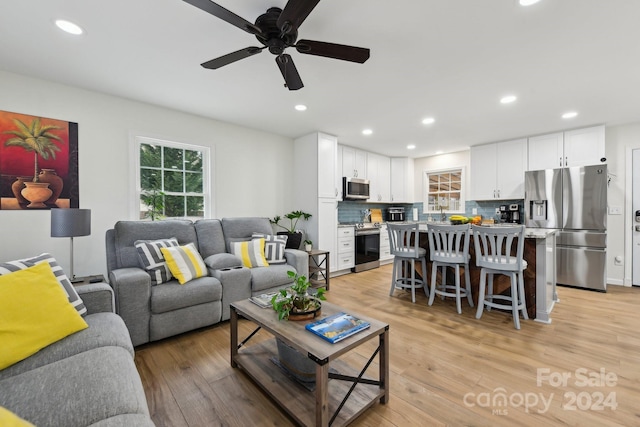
x=513 y=214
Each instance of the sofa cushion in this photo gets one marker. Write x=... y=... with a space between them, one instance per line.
x=152 y=259
x=105 y=329
x=274 y=246
x=251 y=253
x=62 y=278
x=173 y=296
x=223 y=260
x=77 y=391
x=185 y=262
x=243 y=228
x=210 y=237
x=34 y=312
x=269 y=277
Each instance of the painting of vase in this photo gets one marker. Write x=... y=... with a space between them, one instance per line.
x=37 y=150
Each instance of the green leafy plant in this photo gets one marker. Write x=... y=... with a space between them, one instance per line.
x=296 y=299
x=153 y=199
x=293 y=218
x=308 y=242
x=35 y=138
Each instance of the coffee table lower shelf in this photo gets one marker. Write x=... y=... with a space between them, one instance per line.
x=295 y=399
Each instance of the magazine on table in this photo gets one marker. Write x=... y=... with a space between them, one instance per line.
x=263 y=300
x=337 y=327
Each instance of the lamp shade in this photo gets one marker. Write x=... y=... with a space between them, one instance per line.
x=70 y=222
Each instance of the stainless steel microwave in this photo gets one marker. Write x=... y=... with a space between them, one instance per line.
x=355 y=188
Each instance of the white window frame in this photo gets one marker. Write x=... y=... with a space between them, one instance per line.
x=425 y=186
x=138 y=139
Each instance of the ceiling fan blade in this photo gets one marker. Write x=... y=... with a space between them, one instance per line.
x=289 y=72
x=227 y=59
x=333 y=50
x=294 y=14
x=225 y=15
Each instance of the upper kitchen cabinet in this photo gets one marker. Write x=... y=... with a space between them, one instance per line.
x=580 y=147
x=379 y=175
x=354 y=162
x=497 y=170
x=402 y=180
x=315 y=159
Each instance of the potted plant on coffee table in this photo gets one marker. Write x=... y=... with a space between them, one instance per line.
x=294 y=236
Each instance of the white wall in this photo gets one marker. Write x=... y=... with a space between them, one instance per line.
x=442 y=161
x=251 y=169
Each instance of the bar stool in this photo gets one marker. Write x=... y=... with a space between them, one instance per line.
x=406 y=254
x=450 y=248
x=493 y=254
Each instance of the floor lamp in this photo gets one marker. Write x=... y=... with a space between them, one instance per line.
x=71 y=223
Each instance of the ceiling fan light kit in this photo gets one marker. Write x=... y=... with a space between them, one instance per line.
x=277 y=30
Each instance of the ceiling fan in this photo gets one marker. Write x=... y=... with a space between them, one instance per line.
x=277 y=29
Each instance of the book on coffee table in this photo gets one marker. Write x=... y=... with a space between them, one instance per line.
x=337 y=327
x=263 y=300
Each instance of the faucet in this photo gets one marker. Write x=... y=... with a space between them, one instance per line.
x=443 y=216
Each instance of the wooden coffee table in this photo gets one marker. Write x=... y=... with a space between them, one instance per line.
x=335 y=402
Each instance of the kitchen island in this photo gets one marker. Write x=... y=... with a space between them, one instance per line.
x=539 y=277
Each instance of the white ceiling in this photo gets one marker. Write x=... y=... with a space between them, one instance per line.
x=449 y=59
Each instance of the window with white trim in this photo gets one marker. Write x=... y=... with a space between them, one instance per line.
x=172 y=179
x=444 y=190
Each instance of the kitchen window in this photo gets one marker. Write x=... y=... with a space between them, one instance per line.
x=444 y=190
x=172 y=180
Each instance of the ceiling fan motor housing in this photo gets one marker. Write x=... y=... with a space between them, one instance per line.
x=272 y=37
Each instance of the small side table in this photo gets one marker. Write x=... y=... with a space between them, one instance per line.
x=319 y=268
x=85 y=280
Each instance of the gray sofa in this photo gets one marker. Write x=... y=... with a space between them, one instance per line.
x=86 y=379
x=155 y=312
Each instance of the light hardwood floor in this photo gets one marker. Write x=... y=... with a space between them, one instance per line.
x=446 y=369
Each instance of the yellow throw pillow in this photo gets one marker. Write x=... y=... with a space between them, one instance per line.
x=251 y=253
x=185 y=263
x=9 y=419
x=34 y=312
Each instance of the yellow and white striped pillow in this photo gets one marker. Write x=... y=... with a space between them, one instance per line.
x=185 y=263
x=250 y=252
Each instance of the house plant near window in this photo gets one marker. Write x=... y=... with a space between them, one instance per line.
x=294 y=236
x=308 y=245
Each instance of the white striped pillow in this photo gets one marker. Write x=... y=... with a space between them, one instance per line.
x=251 y=253
x=153 y=261
x=274 y=246
x=184 y=262
x=21 y=264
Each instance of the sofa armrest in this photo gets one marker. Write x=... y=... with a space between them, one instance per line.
x=132 y=288
x=97 y=297
x=299 y=260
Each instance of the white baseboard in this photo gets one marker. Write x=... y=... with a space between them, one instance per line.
x=616 y=282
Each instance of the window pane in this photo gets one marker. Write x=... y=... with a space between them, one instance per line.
x=456 y=186
x=456 y=176
x=174 y=206
x=445 y=187
x=193 y=160
x=445 y=177
x=194 y=182
x=173 y=158
x=150 y=179
x=150 y=155
x=173 y=181
x=195 y=206
x=433 y=179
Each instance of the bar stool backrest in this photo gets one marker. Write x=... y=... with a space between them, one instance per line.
x=404 y=240
x=449 y=243
x=495 y=247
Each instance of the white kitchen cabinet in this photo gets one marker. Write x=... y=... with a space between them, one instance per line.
x=379 y=175
x=579 y=147
x=354 y=162
x=314 y=188
x=401 y=180
x=497 y=170
x=346 y=249
x=385 y=246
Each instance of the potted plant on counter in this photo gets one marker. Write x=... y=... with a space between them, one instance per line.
x=294 y=236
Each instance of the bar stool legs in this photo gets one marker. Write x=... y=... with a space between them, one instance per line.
x=401 y=280
x=450 y=290
x=516 y=299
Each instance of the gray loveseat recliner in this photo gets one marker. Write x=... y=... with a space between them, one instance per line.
x=156 y=312
x=86 y=379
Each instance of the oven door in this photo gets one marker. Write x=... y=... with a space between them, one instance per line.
x=367 y=250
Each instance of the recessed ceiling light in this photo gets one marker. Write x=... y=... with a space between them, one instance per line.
x=528 y=2
x=428 y=120
x=301 y=107
x=508 y=99
x=569 y=115
x=69 y=27
x=367 y=132
x=411 y=147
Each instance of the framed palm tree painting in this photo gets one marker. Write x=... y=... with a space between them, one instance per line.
x=38 y=162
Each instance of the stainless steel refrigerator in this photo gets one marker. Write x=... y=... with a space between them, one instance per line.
x=573 y=200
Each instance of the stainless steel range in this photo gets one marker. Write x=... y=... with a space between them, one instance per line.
x=367 y=246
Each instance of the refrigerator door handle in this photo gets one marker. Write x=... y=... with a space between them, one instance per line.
x=560 y=163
